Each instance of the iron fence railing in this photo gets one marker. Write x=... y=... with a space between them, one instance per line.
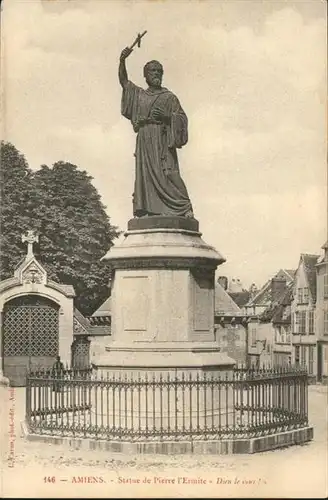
x=167 y=406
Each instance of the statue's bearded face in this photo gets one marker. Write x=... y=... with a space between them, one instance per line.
x=154 y=75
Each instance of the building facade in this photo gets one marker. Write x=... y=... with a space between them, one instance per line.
x=303 y=315
x=100 y=331
x=38 y=322
x=269 y=337
x=36 y=319
x=321 y=320
x=230 y=326
x=281 y=323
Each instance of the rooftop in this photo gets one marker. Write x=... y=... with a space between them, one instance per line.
x=275 y=311
x=263 y=296
x=104 y=310
x=224 y=304
x=240 y=298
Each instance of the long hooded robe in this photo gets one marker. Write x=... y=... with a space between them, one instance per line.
x=159 y=188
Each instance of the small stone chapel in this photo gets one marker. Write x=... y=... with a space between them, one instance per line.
x=38 y=321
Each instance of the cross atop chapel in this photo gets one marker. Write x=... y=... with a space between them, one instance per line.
x=31 y=237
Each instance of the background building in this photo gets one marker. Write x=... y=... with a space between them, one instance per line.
x=261 y=300
x=230 y=325
x=303 y=308
x=262 y=311
x=36 y=319
x=321 y=321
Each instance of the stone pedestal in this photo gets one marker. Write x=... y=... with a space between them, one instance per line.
x=163 y=299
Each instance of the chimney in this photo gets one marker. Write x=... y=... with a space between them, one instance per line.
x=235 y=286
x=223 y=281
x=278 y=287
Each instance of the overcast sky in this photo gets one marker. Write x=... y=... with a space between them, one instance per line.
x=251 y=76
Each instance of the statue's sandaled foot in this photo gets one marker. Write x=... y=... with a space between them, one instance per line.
x=189 y=214
x=141 y=214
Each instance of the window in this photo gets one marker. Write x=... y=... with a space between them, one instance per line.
x=296 y=322
x=311 y=322
x=305 y=295
x=253 y=333
x=311 y=355
x=276 y=335
x=325 y=286
x=297 y=354
x=282 y=335
x=300 y=295
x=286 y=312
x=303 y=354
x=302 y=322
x=325 y=324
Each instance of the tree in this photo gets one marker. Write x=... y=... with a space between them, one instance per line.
x=74 y=230
x=16 y=189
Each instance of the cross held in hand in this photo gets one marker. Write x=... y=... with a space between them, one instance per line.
x=138 y=40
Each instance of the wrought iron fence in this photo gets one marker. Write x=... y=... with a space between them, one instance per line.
x=167 y=406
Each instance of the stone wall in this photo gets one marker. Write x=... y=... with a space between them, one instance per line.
x=232 y=340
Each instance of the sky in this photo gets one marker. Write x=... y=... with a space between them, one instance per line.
x=251 y=76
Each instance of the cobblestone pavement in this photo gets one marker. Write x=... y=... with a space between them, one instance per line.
x=48 y=470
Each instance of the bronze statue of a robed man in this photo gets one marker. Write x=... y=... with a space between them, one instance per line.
x=162 y=127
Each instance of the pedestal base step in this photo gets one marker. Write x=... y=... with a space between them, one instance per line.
x=163 y=222
x=199 y=447
x=164 y=357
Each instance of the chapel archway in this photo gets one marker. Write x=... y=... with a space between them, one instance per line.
x=30 y=336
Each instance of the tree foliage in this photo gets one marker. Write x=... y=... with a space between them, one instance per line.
x=74 y=229
x=16 y=188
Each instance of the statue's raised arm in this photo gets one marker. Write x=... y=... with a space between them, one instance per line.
x=122 y=71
